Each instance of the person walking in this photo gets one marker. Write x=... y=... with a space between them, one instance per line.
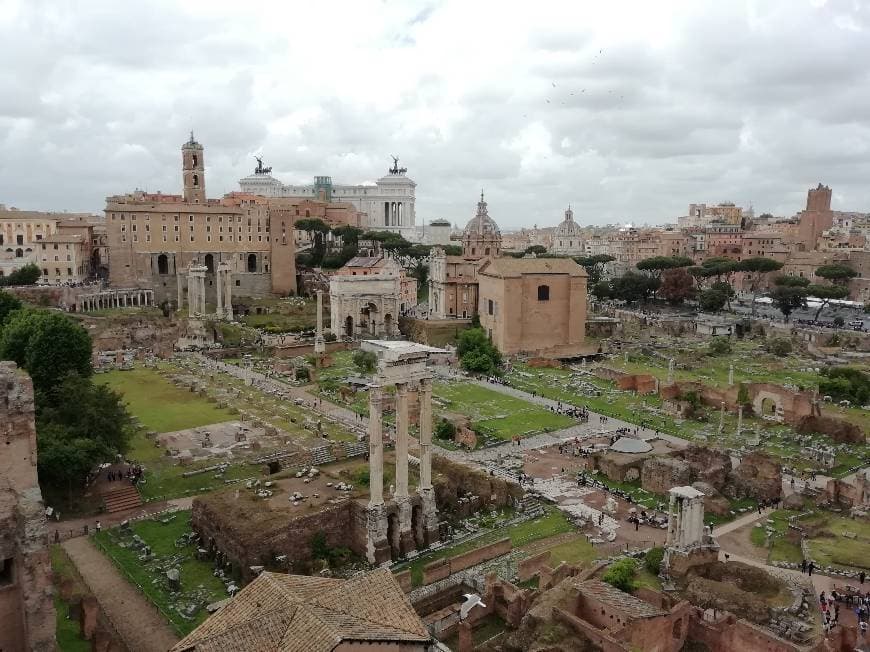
x=803 y=565
x=810 y=569
x=862 y=576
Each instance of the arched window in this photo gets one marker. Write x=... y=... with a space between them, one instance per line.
x=209 y=263
x=162 y=264
x=195 y=179
x=19 y=253
x=252 y=262
x=543 y=293
x=195 y=160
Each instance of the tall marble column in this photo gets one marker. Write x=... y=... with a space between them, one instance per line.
x=376 y=448
x=180 y=281
x=228 y=288
x=191 y=292
x=401 y=442
x=319 y=342
x=202 y=290
x=425 y=400
x=218 y=277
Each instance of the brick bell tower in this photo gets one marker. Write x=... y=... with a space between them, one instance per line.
x=193 y=172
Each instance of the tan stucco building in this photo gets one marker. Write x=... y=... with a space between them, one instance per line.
x=535 y=306
x=153 y=238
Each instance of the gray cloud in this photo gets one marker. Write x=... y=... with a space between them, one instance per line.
x=543 y=105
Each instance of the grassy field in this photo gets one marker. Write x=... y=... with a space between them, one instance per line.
x=159 y=405
x=286 y=315
x=69 y=588
x=199 y=586
x=829 y=547
x=553 y=522
x=579 y=551
x=495 y=413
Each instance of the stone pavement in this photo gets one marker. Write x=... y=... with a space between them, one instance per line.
x=136 y=620
x=75 y=527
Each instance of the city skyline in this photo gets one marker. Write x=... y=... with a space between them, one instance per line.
x=620 y=117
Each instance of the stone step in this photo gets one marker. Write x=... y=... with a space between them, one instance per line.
x=122 y=499
x=356 y=449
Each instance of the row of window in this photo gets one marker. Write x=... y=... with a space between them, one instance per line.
x=192 y=238
x=69 y=271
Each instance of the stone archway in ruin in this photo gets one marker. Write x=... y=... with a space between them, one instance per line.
x=393 y=535
x=417 y=526
x=388 y=324
x=371 y=312
x=767 y=404
x=348 y=326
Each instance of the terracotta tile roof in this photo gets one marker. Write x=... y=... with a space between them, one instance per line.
x=625 y=602
x=512 y=267
x=296 y=613
x=364 y=261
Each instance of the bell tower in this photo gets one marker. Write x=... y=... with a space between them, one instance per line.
x=193 y=171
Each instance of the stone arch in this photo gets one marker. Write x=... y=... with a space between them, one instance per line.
x=348 y=326
x=767 y=404
x=417 y=526
x=209 y=263
x=162 y=264
x=252 y=262
x=388 y=324
x=195 y=179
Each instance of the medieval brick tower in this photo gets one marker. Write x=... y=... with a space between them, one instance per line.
x=193 y=171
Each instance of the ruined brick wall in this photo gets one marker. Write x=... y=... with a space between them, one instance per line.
x=758 y=476
x=443 y=568
x=840 y=430
x=531 y=566
x=732 y=635
x=27 y=617
x=659 y=474
x=340 y=525
x=449 y=479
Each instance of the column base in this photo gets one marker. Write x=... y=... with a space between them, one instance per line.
x=377 y=545
x=430 y=516
x=406 y=531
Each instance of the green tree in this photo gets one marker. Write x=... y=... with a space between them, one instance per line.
x=756 y=270
x=365 y=361
x=27 y=275
x=445 y=430
x=825 y=294
x=790 y=281
x=9 y=303
x=477 y=353
x=601 y=290
x=620 y=574
x=535 y=249
x=48 y=345
x=778 y=346
x=836 y=273
x=719 y=346
x=316 y=230
x=420 y=271
x=658 y=264
x=787 y=298
x=712 y=300
x=594 y=266
x=846 y=383
x=677 y=286
x=632 y=287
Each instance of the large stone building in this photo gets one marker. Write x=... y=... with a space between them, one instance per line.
x=568 y=236
x=154 y=238
x=389 y=202
x=65 y=246
x=453 y=279
x=27 y=618
x=534 y=306
x=367 y=303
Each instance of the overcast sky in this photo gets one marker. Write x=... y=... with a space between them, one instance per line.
x=627 y=110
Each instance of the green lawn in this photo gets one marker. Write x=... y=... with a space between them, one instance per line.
x=834 y=549
x=287 y=314
x=575 y=552
x=781 y=549
x=496 y=414
x=160 y=405
x=553 y=522
x=67 y=631
x=199 y=587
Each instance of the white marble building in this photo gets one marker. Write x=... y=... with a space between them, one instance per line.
x=366 y=306
x=389 y=202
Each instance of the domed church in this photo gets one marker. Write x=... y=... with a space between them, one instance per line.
x=568 y=237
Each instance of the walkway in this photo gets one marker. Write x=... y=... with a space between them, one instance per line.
x=75 y=527
x=138 y=623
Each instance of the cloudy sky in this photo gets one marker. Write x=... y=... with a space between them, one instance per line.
x=627 y=110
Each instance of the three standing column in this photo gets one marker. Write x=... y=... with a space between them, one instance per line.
x=376 y=448
x=401 y=441
x=425 y=425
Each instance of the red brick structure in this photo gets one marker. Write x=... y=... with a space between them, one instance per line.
x=27 y=617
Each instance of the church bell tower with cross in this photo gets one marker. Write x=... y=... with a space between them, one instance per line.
x=193 y=171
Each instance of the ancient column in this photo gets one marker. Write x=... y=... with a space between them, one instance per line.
x=319 y=342
x=401 y=442
x=376 y=448
x=218 y=274
x=722 y=418
x=670 y=371
x=730 y=374
x=202 y=290
x=228 y=288
x=739 y=419
x=180 y=280
x=425 y=424
x=191 y=291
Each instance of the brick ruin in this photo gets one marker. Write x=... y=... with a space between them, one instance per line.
x=237 y=537
x=26 y=607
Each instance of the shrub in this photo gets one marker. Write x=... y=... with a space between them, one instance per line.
x=365 y=361
x=719 y=346
x=445 y=430
x=620 y=574
x=653 y=560
x=839 y=322
x=778 y=346
x=329 y=337
x=302 y=373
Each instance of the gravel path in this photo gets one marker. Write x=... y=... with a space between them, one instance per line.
x=135 y=619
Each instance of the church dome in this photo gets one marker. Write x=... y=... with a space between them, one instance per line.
x=481 y=224
x=568 y=227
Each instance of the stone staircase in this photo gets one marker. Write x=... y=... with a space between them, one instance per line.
x=122 y=499
x=531 y=506
x=322 y=455
x=356 y=449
